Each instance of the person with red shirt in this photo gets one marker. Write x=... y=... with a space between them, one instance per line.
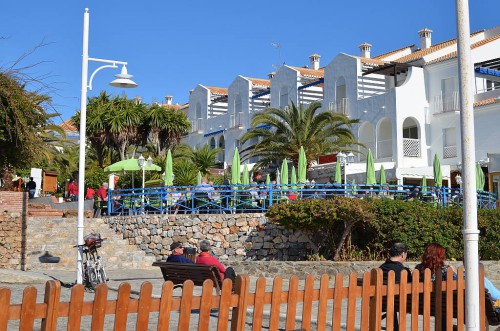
x=206 y=258
x=90 y=194
x=102 y=192
x=73 y=190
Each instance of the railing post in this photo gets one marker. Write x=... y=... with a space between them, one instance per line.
x=376 y=301
x=270 y=194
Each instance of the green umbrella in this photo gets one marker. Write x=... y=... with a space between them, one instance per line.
x=268 y=179
x=370 y=169
x=168 y=170
x=198 y=178
x=293 y=179
x=338 y=173
x=382 y=175
x=235 y=168
x=245 y=179
x=284 y=175
x=424 y=184
x=130 y=165
x=479 y=177
x=438 y=176
x=302 y=170
x=354 y=187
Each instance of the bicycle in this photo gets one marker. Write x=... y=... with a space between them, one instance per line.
x=93 y=269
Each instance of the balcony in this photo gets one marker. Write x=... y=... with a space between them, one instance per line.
x=411 y=147
x=196 y=125
x=340 y=107
x=384 y=148
x=449 y=152
x=447 y=102
x=236 y=120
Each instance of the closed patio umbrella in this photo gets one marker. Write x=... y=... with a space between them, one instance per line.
x=382 y=175
x=293 y=179
x=235 y=168
x=370 y=169
x=424 y=184
x=284 y=174
x=438 y=176
x=268 y=179
x=168 y=170
x=302 y=166
x=198 y=178
x=338 y=173
x=480 y=179
x=244 y=177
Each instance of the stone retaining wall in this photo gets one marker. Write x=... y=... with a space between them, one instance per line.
x=235 y=236
x=12 y=229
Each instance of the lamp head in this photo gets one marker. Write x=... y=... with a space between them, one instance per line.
x=123 y=79
x=140 y=161
x=150 y=161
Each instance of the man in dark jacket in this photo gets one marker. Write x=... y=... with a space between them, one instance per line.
x=398 y=255
x=177 y=254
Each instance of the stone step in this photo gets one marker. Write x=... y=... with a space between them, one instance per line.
x=45 y=213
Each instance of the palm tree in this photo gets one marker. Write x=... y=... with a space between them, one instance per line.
x=279 y=134
x=203 y=158
x=166 y=127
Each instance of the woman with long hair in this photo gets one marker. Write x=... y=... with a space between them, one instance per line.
x=434 y=259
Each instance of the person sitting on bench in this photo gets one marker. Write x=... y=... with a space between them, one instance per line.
x=177 y=254
x=397 y=255
x=206 y=258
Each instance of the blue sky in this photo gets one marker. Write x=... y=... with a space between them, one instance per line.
x=172 y=46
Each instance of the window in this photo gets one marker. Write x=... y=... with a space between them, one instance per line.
x=410 y=132
x=284 y=97
x=449 y=143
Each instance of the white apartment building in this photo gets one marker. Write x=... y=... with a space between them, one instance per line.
x=407 y=101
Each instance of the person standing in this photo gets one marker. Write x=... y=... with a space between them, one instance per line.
x=73 y=190
x=102 y=192
x=31 y=187
x=90 y=193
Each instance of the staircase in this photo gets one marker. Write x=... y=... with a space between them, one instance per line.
x=57 y=236
x=43 y=210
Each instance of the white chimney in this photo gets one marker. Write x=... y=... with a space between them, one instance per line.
x=425 y=38
x=315 y=61
x=191 y=91
x=271 y=74
x=168 y=99
x=365 y=50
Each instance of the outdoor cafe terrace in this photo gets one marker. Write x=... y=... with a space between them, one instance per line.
x=258 y=198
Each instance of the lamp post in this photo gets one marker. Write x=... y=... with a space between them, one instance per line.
x=122 y=80
x=345 y=160
x=458 y=179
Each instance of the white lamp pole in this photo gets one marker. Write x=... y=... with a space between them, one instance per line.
x=123 y=80
x=344 y=161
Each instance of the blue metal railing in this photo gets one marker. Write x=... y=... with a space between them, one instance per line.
x=258 y=198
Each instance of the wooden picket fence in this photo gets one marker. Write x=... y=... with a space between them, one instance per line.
x=302 y=306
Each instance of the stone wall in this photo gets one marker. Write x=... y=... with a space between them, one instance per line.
x=235 y=237
x=13 y=206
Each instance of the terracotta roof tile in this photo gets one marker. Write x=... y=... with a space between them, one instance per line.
x=310 y=72
x=486 y=102
x=68 y=125
x=371 y=61
x=217 y=90
x=382 y=56
x=475 y=45
x=259 y=81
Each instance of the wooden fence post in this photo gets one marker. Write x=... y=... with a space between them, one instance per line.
x=376 y=300
x=4 y=307
x=240 y=311
x=51 y=299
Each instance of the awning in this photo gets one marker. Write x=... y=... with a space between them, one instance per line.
x=213 y=133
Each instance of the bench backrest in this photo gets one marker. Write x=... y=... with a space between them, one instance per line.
x=177 y=273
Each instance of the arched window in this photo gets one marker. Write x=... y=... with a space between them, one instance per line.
x=411 y=140
x=384 y=139
x=367 y=138
x=212 y=143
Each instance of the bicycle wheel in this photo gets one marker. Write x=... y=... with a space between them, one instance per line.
x=101 y=275
x=92 y=280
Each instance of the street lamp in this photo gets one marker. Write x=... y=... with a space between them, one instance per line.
x=143 y=163
x=459 y=181
x=344 y=161
x=122 y=80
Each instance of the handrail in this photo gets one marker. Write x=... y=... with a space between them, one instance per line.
x=256 y=198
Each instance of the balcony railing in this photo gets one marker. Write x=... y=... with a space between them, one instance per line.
x=449 y=151
x=411 y=147
x=236 y=120
x=196 y=125
x=340 y=106
x=447 y=102
x=384 y=148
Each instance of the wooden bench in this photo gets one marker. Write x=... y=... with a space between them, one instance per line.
x=178 y=273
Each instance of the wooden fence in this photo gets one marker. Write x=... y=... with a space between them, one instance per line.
x=320 y=304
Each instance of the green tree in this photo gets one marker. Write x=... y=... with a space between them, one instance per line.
x=203 y=158
x=165 y=126
x=278 y=134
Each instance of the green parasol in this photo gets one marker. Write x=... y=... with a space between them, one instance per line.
x=293 y=179
x=338 y=173
x=235 y=168
x=382 y=175
x=268 y=179
x=424 y=185
x=302 y=170
x=168 y=170
x=284 y=175
x=245 y=179
x=370 y=169
x=480 y=179
x=438 y=176
x=130 y=165
x=198 y=178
